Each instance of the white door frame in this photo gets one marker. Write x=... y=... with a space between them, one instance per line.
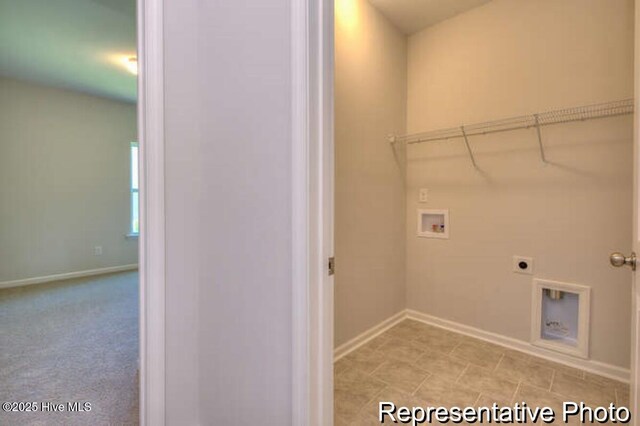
x=152 y=210
x=312 y=211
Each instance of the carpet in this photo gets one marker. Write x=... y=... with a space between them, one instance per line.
x=71 y=341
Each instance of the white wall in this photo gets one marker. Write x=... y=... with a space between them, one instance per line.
x=64 y=181
x=509 y=58
x=183 y=182
x=228 y=198
x=370 y=103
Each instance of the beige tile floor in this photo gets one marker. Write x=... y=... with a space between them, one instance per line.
x=414 y=364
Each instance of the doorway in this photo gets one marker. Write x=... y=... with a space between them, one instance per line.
x=475 y=151
x=75 y=105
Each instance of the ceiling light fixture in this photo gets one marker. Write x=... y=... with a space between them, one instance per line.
x=131 y=64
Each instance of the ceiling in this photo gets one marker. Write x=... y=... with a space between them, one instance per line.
x=411 y=16
x=74 y=44
x=81 y=44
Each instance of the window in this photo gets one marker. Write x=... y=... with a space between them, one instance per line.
x=135 y=205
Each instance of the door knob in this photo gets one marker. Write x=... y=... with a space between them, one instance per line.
x=618 y=259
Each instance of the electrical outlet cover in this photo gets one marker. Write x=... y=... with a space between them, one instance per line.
x=523 y=265
x=423 y=195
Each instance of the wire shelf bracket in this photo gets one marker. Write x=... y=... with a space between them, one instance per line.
x=466 y=142
x=537 y=120
x=567 y=115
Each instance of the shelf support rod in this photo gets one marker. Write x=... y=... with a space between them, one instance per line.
x=466 y=142
x=535 y=117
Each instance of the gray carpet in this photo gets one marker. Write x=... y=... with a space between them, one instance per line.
x=71 y=341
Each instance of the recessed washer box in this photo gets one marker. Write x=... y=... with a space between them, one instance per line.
x=560 y=317
x=433 y=223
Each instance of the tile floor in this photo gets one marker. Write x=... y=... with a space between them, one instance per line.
x=414 y=364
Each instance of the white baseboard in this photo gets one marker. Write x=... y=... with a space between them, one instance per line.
x=368 y=335
x=66 y=276
x=596 y=367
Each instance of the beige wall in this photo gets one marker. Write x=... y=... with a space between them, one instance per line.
x=370 y=102
x=503 y=59
x=64 y=176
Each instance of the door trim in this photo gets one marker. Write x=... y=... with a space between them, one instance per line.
x=152 y=211
x=312 y=211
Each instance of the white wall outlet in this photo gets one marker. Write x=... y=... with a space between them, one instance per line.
x=523 y=265
x=423 y=195
x=97 y=250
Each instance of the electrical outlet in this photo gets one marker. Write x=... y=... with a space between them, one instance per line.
x=523 y=265
x=97 y=250
x=423 y=195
